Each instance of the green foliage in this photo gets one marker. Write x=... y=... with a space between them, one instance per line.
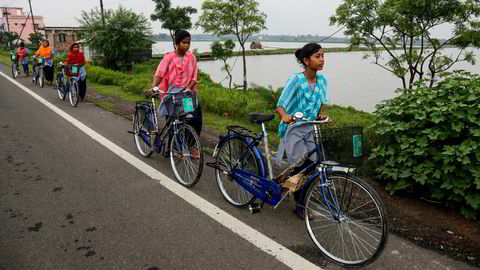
x=35 y=38
x=6 y=40
x=237 y=17
x=124 y=33
x=172 y=18
x=106 y=76
x=406 y=26
x=429 y=142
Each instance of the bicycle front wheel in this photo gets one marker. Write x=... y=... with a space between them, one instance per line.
x=347 y=220
x=41 y=77
x=229 y=153
x=60 y=86
x=73 y=93
x=141 y=132
x=14 y=70
x=186 y=156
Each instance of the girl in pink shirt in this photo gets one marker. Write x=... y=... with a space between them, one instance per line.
x=178 y=71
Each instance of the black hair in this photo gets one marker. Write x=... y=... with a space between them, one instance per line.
x=307 y=51
x=21 y=44
x=180 y=35
x=74 y=44
x=46 y=41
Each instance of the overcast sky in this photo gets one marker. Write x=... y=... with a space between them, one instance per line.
x=283 y=16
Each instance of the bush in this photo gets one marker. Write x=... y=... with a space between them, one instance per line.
x=429 y=142
x=106 y=76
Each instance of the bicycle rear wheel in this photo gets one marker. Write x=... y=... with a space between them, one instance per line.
x=14 y=70
x=60 y=86
x=186 y=156
x=347 y=220
x=73 y=93
x=228 y=155
x=41 y=77
x=142 y=127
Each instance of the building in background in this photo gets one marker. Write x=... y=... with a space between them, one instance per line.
x=14 y=19
x=61 y=37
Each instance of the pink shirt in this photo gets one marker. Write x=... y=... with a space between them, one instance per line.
x=177 y=71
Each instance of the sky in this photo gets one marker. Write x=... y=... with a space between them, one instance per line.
x=290 y=17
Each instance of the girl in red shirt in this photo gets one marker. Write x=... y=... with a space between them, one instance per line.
x=76 y=57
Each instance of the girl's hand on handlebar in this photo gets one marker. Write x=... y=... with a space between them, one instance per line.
x=287 y=119
x=322 y=117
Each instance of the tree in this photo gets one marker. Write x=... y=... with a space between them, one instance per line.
x=172 y=18
x=124 y=33
x=403 y=29
x=7 y=38
x=223 y=52
x=238 y=17
x=35 y=38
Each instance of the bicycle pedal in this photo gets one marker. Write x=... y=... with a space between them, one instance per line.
x=254 y=208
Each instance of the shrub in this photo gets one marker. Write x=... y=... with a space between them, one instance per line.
x=106 y=76
x=429 y=142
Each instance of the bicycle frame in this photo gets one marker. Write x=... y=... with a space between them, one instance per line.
x=263 y=187
x=170 y=128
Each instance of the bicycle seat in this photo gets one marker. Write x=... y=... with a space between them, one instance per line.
x=259 y=118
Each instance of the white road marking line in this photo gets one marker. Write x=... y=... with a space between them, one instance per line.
x=248 y=233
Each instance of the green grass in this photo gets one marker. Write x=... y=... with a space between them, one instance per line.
x=115 y=91
x=5 y=58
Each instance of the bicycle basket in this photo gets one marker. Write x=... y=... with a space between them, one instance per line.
x=184 y=103
x=13 y=57
x=343 y=145
x=74 y=70
x=40 y=60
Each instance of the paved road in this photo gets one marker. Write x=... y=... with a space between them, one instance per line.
x=69 y=202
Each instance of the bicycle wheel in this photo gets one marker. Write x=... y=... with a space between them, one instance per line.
x=41 y=77
x=73 y=93
x=141 y=132
x=186 y=156
x=347 y=220
x=228 y=154
x=14 y=70
x=60 y=86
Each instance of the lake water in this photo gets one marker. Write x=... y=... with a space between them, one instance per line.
x=204 y=46
x=352 y=81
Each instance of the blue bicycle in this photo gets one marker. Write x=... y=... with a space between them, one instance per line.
x=176 y=140
x=67 y=83
x=344 y=216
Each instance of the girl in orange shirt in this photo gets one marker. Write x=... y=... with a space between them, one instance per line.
x=46 y=52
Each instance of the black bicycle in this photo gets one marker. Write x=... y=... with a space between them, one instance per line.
x=67 y=83
x=176 y=140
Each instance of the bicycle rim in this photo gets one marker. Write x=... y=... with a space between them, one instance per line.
x=41 y=78
x=228 y=154
x=348 y=222
x=60 y=88
x=14 y=71
x=186 y=156
x=73 y=94
x=141 y=134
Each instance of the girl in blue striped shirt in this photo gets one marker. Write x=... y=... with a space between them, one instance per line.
x=304 y=92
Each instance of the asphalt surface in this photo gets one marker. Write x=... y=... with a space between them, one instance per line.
x=68 y=202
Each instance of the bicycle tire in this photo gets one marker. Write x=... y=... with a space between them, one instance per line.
x=14 y=70
x=60 y=86
x=141 y=132
x=182 y=146
x=231 y=191
x=73 y=94
x=41 y=78
x=352 y=221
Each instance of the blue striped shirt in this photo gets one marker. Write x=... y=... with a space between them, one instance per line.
x=297 y=97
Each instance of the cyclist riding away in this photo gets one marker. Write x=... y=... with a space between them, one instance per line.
x=75 y=57
x=304 y=92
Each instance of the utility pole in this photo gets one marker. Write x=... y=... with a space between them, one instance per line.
x=101 y=9
x=5 y=12
x=33 y=20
